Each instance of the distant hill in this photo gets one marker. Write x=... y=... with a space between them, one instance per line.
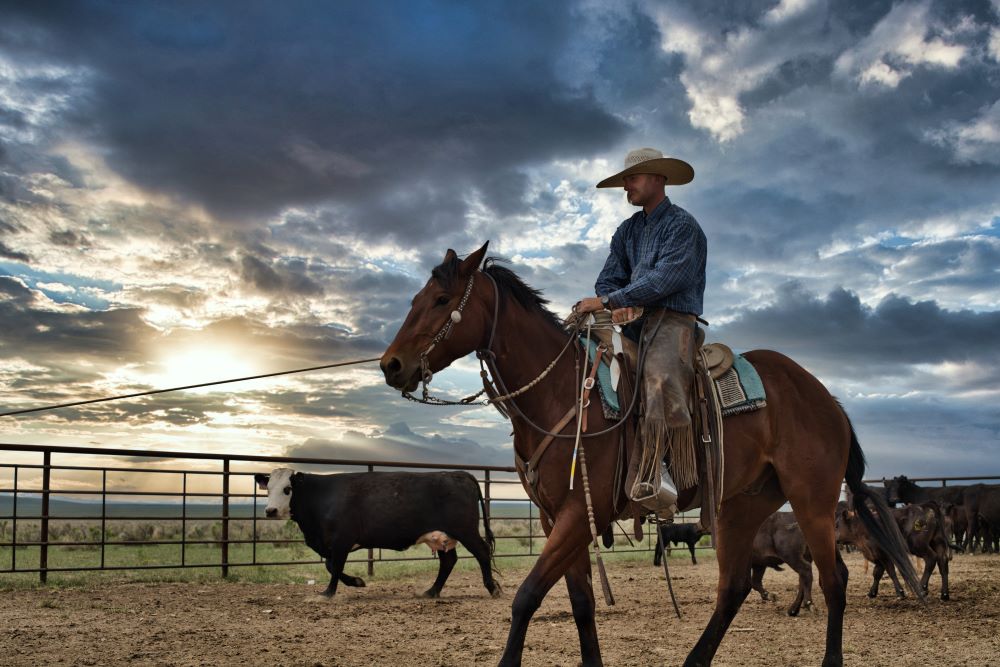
x=30 y=506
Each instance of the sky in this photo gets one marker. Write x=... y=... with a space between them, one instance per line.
x=197 y=191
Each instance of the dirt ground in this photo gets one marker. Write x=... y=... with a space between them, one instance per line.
x=388 y=624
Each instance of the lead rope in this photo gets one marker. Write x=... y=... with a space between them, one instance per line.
x=580 y=407
x=609 y=599
x=666 y=568
x=579 y=452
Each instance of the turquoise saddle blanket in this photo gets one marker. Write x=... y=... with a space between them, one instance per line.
x=740 y=388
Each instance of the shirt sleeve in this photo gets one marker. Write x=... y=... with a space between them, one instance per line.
x=676 y=269
x=616 y=271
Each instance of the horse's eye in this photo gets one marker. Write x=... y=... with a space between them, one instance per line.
x=443 y=300
x=288 y=490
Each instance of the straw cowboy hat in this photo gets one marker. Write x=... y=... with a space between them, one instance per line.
x=651 y=161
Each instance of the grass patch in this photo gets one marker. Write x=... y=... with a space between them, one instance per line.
x=518 y=546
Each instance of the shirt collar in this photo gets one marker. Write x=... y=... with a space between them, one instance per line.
x=658 y=212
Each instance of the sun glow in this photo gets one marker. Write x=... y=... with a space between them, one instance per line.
x=207 y=363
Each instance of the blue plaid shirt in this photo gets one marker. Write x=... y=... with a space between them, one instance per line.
x=657 y=260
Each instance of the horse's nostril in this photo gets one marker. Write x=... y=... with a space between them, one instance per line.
x=394 y=366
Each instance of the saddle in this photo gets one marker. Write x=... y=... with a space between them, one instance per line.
x=712 y=361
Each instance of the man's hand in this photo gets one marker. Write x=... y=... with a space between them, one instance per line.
x=619 y=315
x=590 y=304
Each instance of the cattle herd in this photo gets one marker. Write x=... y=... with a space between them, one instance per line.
x=935 y=522
x=340 y=513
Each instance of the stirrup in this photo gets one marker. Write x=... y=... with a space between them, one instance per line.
x=661 y=499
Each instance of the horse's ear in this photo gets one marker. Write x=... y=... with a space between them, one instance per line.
x=473 y=261
x=450 y=256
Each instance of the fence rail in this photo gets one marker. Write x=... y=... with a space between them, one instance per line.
x=28 y=491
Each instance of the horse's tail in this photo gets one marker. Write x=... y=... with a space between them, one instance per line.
x=880 y=524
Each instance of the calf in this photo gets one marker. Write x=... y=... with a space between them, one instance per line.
x=677 y=534
x=922 y=528
x=390 y=510
x=780 y=540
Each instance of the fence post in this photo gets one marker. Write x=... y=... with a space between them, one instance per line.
x=531 y=533
x=486 y=497
x=225 y=518
x=371 y=552
x=184 y=528
x=43 y=556
x=13 y=527
x=104 y=513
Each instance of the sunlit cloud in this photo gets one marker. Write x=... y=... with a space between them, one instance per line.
x=162 y=224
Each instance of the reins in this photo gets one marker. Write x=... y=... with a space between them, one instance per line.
x=488 y=367
x=502 y=397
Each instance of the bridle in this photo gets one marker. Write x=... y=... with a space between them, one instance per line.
x=485 y=355
x=488 y=367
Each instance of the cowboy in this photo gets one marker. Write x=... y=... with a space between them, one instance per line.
x=657 y=262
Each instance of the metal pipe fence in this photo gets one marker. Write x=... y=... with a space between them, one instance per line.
x=218 y=508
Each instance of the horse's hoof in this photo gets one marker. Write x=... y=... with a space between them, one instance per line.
x=431 y=593
x=793 y=612
x=872 y=595
x=497 y=591
x=945 y=596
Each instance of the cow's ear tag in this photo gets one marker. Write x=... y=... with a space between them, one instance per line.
x=456 y=316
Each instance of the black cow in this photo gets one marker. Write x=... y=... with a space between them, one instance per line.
x=677 y=534
x=967 y=497
x=780 y=540
x=387 y=510
x=989 y=519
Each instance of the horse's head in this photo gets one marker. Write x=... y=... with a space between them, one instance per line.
x=452 y=295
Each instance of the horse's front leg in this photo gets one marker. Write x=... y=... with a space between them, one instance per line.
x=738 y=522
x=569 y=535
x=581 y=597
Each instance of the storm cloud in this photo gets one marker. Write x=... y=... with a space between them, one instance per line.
x=252 y=187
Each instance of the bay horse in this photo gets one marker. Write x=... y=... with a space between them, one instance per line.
x=798 y=448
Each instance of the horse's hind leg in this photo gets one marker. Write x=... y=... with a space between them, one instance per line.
x=738 y=522
x=816 y=520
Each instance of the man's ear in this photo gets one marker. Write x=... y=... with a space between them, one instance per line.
x=473 y=261
x=262 y=480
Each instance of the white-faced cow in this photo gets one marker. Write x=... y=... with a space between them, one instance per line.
x=387 y=510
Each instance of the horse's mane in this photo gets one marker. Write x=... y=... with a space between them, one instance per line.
x=509 y=284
